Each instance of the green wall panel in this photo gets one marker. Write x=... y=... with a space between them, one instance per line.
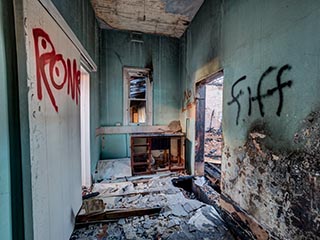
x=110 y=146
x=278 y=36
x=245 y=38
x=261 y=35
x=5 y=186
x=81 y=18
x=200 y=48
x=11 y=217
x=156 y=52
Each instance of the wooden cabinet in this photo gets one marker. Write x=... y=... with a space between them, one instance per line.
x=152 y=153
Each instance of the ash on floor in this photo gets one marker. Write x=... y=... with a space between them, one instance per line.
x=180 y=217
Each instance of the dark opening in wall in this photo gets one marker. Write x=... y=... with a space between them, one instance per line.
x=209 y=139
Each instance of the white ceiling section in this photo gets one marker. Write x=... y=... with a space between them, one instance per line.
x=164 y=17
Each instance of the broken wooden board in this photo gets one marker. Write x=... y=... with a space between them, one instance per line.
x=93 y=206
x=143 y=193
x=212 y=170
x=117 y=214
x=214 y=161
x=243 y=224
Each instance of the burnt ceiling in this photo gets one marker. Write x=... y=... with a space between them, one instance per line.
x=164 y=17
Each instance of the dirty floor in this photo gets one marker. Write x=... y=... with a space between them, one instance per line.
x=170 y=212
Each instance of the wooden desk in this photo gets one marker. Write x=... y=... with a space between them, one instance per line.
x=156 y=152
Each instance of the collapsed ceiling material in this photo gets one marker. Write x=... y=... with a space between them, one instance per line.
x=164 y=17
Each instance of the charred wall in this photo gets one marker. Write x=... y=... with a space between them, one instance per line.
x=279 y=188
x=271 y=127
x=269 y=53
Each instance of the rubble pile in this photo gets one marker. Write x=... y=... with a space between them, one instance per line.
x=180 y=217
x=213 y=145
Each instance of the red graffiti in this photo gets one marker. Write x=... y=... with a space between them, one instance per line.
x=52 y=66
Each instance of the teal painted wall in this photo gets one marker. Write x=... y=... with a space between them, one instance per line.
x=272 y=176
x=277 y=37
x=199 y=57
x=160 y=53
x=5 y=186
x=81 y=18
x=11 y=218
x=273 y=34
x=11 y=196
x=23 y=125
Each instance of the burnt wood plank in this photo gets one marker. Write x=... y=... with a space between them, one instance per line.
x=117 y=214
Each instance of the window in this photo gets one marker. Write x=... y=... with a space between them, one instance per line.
x=137 y=96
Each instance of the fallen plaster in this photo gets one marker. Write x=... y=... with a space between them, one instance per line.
x=112 y=169
x=180 y=217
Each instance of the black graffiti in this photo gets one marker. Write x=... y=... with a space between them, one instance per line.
x=259 y=97
x=250 y=102
x=235 y=98
x=280 y=86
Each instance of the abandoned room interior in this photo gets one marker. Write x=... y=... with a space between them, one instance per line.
x=159 y=119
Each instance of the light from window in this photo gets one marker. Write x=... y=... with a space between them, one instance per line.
x=138 y=96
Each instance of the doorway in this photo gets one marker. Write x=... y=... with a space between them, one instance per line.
x=85 y=128
x=209 y=137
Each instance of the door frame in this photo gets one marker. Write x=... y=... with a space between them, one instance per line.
x=200 y=98
x=85 y=128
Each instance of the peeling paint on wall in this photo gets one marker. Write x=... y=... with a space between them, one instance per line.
x=267 y=169
x=280 y=188
x=54 y=120
x=188 y=99
x=245 y=226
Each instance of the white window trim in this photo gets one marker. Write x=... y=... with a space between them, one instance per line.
x=126 y=101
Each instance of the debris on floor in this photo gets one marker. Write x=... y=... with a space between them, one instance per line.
x=112 y=169
x=213 y=146
x=213 y=174
x=149 y=208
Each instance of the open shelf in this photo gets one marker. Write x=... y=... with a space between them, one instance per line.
x=151 y=153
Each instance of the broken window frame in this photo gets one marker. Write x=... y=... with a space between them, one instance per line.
x=127 y=73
